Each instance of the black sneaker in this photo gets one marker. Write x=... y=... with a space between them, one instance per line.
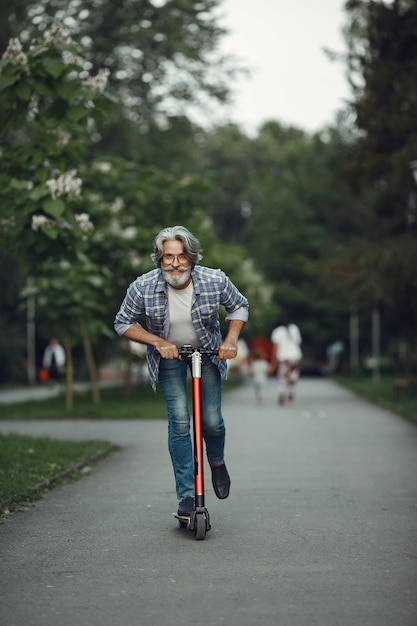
x=186 y=507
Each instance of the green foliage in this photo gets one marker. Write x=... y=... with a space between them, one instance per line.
x=78 y=290
x=276 y=194
x=376 y=265
x=48 y=110
x=163 y=58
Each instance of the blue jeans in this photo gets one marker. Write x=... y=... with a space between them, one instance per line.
x=173 y=378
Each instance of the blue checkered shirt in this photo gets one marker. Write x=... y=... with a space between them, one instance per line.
x=147 y=296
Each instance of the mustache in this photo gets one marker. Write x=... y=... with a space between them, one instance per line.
x=171 y=268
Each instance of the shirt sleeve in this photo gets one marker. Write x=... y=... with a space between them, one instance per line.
x=241 y=313
x=236 y=305
x=130 y=310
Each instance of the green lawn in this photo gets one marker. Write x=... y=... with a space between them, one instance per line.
x=384 y=393
x=142 y=403
x=30 y=466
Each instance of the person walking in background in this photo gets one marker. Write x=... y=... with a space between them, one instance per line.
x=54 y=359
x=286 y=359
x=259 y=368
x=334 y=355
x=180 y=300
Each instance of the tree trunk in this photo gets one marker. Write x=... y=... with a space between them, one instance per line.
x=30 y=335
x=92 y=369
x=69 y=402
x=128 y=374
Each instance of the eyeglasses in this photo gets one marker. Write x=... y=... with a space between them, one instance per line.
x=169 y=258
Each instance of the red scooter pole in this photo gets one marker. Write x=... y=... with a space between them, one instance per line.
x=198 y=430
x=199 y=520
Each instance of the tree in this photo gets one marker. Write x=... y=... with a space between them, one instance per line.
x=276 y=195
x=379 y=263
x=49 y=107
x=162 y=56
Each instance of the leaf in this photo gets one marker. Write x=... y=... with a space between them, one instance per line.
x=76 y=113
x=18 y=185
x=38 y=192
x=68 y=92
x=24 y=92
x=52 y=233
x=54 y=207
x=7 y=81
x=54 y=67
x=42 y=175
x=43 y=89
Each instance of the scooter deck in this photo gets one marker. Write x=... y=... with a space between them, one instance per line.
x=191 y=521
x=182 y=518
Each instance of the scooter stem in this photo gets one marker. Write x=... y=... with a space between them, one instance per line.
x=198 y=429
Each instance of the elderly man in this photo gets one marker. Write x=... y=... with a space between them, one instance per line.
x=180 y=301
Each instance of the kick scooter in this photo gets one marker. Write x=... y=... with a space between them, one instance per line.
x=199 y=520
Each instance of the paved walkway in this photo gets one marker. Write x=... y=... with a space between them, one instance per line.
x=320 y=527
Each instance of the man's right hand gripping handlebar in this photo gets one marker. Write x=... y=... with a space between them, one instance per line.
x=166 y=349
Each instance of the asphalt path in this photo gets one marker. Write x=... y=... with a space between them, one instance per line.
x=320 y=527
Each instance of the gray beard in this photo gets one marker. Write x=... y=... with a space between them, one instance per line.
x=177 y=281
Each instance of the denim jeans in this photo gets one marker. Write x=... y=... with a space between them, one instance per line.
x=173 y=378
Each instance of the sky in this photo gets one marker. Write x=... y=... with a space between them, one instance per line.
x=282 y=41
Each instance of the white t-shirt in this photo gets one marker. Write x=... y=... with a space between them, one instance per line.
x=288 y=339
x=181 y=330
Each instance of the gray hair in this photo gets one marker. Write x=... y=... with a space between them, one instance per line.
x=192 y=247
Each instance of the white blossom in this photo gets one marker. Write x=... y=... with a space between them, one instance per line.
x=66 y=184
x=63 y=138
x=84 y=222
x=117 y=205
x=98 y=83
x=103 y=166
x=130 y=232
x=70 y=58
x=15 y=54
x=56 y=35
x=39 y=222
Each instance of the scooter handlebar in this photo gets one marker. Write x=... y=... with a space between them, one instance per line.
x=189 y=350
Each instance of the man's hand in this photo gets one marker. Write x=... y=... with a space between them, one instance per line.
x=167 y=350
x=228 y=350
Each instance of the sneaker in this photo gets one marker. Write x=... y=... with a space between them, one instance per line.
x=186 y=507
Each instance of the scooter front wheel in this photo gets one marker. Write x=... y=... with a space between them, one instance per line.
x=200 y=527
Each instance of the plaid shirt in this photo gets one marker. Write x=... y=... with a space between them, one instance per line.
x=147 y=296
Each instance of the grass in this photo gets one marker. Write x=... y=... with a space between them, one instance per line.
x=143 y=403
x=384 y=394
x=30 y=466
